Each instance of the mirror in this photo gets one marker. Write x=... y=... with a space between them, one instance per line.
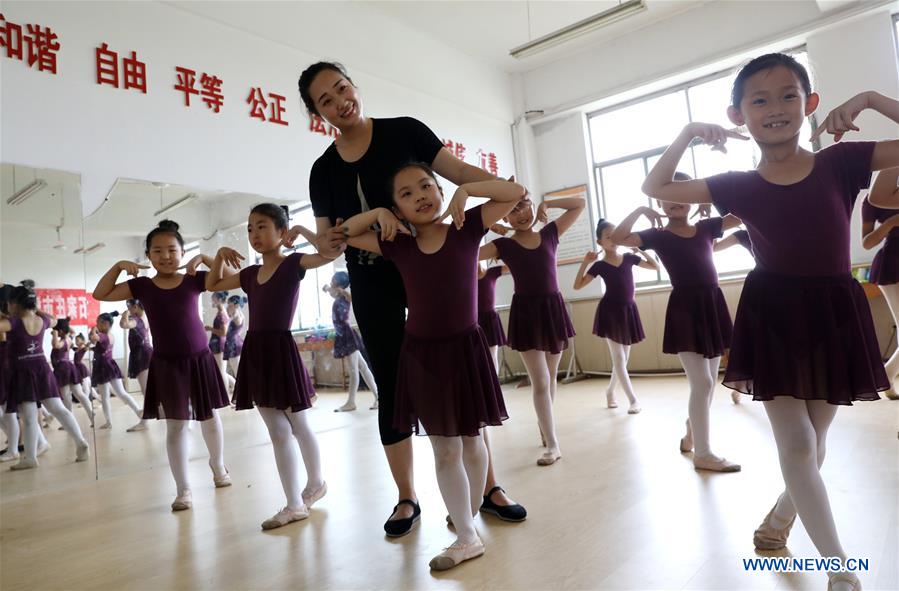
x=40 y=226
x=208 y=220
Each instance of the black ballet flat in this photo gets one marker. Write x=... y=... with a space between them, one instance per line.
x=515 y=513
x=397 y=528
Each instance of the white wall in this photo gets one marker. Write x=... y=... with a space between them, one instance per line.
x=858 y=56
x=854 y=56
x=692 y=39
x=68 y=122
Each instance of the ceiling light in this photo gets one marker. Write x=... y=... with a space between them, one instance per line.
x=24 y=193
x=90 y=249
x=180 y=202
x=588 y=25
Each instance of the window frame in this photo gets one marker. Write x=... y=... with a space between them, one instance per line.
x=301 y=325
x=598 y=195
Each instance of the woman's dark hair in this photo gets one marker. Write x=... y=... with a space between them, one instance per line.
x=309 y=75
x=221 y=296
x=23 y=295
x=107 y=317
x=766 y=62
x=601 y=225
x=237 y=300
x=420 y=166
x=682 y=176
x=134 y=302
x=62 y=326
x=80 y=336
x=342 y=278
x=164 y=227
x=279 y=214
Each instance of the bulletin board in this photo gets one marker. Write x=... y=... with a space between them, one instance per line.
x=579 y=237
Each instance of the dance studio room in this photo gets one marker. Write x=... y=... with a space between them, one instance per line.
x=449 y=294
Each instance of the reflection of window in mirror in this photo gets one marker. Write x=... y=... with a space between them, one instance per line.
x=314 y=308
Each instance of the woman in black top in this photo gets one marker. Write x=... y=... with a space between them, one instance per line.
x=349 y=178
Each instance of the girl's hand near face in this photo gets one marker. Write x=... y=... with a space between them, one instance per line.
x=390 y=226
x=130 y=267
x=231 y=257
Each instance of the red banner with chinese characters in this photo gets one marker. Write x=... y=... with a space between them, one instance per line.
x=75 y=304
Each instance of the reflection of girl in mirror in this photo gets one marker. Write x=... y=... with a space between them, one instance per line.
x=885 y=266
x=139 y=350
x=105 y=373
x=31 y=379
x=219 y=332
x=66 y=372
x=347 y=342
x=81 y=366
x=184 y=382
x=271 y=374
x=9 y=421
x=233 y=338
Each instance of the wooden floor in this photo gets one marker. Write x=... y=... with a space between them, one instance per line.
x=623 y=509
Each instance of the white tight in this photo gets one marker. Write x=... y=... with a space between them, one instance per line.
x=461 y=466
x=9 y=422
x=542 y=370
x=55 y=407
x=177 y=445
x=356 y=364
x=891 y=295
x=142 y=381
x=220 y=359
x=119 y=389
x=284 y=427
x=800 y=432
x=234 y=363
x=620 y=355
x=87 y=387
x=76 y=389
x=702 y=374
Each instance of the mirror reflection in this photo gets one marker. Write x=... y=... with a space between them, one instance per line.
x=207 y=220
x=46 y=398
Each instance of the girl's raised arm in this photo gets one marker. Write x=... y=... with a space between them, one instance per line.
x=660 y=183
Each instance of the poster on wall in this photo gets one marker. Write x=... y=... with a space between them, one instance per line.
x=76 y=304
x=579 y=237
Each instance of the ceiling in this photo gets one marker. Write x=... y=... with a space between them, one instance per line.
x=130 y=210
x=488 y=30
x=485 y=30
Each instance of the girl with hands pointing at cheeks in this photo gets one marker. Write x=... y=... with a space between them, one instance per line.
x=446 y=381
x=271 y=375
x=183 y=382
x=804 y=341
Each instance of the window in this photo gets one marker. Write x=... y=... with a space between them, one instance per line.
x=314 y=308
x=628 y=139
x=896 y=31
